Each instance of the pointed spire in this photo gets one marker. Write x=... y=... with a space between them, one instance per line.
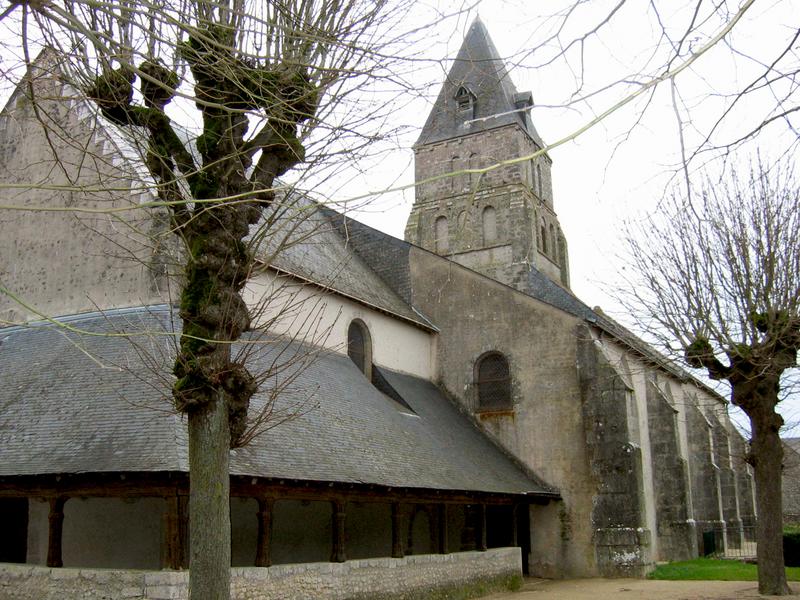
x=477 y=86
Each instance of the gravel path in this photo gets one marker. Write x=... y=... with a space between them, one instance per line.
x=635 y=589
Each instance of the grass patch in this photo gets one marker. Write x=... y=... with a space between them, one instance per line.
x=713 y=570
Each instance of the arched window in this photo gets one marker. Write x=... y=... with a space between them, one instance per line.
x=453 y=167
x=462 y=223
x=489 y=225
x=539 y=180
x=442 y=235
x=543 y=236
x=493 y=381
x=474 y=178
x=359 y=346
x=553 y=243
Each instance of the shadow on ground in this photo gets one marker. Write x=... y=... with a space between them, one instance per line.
x=635 y=589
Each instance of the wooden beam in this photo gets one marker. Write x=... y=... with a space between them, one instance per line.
x=515 y=525
x=55 y=531
x=338 y=551
x=264 y=542
x=398 y=551
x=139 y=484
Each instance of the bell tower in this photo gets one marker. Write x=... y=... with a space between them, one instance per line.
x=502 y=222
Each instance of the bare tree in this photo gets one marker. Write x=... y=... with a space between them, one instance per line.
x=717 y=279
x=268 y=81
x=726 y=79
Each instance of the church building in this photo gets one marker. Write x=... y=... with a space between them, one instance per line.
x=443 y=407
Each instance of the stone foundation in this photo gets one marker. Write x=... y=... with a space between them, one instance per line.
x=416 y=577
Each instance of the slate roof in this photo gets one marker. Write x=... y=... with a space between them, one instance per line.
x=304 y=241
x=478 y=67
x=89 y=402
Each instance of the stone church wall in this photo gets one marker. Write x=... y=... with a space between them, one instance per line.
x=622 y=541
x=512 y=190
x=791 y=485
x=544 y=428
x=744 y=483
x=65 y=262
x=705 y=480
x=727 y=483
x=669 y=478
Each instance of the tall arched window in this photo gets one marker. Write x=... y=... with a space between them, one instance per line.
x=453 y=167
x=489 y=225
x=493 y=382
x=543 y=235
x=442 y=235
x=461 y=223
x=532 y=173
x=474 y=178
x=553 y=243
x=539 y=180
x=359 y=346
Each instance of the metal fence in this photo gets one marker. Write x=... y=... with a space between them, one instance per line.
x=733 y=542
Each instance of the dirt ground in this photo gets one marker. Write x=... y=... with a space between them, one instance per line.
x=635 y=589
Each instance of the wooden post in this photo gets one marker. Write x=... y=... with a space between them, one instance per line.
x=55 y=532
x=264 y=543
x=442 y=518
x=397 y=531
x=338 y=552
x=482 y=527
x=174 y=534
x=183 y=522
x=514 y=525
x=468 y=535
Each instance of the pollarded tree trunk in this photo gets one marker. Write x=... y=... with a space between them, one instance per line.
x=767 y=459
x=209 y=508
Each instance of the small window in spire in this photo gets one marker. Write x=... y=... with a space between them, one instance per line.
x=465 y=101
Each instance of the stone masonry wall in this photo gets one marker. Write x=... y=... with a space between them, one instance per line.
x=413 y=577
x=669 y=478
x=791 y=483
x=621 y=541
x=727 y=483
x=705 y=480
x=523 y=206
x=744 y=483
x=65 y=262
x=544 y=428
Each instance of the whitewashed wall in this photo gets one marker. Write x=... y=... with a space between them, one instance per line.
x=308 y=313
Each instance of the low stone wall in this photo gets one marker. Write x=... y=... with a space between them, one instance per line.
x=409 y=578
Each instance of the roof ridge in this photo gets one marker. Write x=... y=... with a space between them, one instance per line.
x=87 y=316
